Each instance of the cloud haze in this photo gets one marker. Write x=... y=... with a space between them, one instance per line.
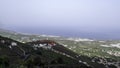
x=77 y=15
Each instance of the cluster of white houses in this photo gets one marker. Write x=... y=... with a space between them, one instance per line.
x=10 y=44
x=43 y=45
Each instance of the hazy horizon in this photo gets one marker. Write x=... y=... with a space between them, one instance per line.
x=99 y=19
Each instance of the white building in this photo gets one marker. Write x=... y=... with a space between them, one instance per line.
x=13 y=44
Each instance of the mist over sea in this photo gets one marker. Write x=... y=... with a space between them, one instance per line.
x=95 y=19
x=69 y=32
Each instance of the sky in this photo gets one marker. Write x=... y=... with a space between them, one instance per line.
x=68 y=17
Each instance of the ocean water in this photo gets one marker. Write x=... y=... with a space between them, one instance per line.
x=69 y=32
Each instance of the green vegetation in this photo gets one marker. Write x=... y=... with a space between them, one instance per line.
x=24 y=56
x=87 y=51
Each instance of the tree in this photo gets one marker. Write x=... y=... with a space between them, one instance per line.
x=4 y=62
x=60 y=60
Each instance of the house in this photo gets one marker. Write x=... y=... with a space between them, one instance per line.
x=2 y=41
x=13 y=44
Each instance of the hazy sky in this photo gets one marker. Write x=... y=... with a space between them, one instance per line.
x=72 y=15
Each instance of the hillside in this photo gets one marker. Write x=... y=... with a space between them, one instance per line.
x=14 y=54
x=95 y=53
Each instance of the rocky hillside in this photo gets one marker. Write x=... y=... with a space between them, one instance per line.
x=14 y=54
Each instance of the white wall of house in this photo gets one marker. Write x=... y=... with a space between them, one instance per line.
x=13 y=44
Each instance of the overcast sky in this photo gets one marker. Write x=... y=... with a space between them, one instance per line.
x=76 y=15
